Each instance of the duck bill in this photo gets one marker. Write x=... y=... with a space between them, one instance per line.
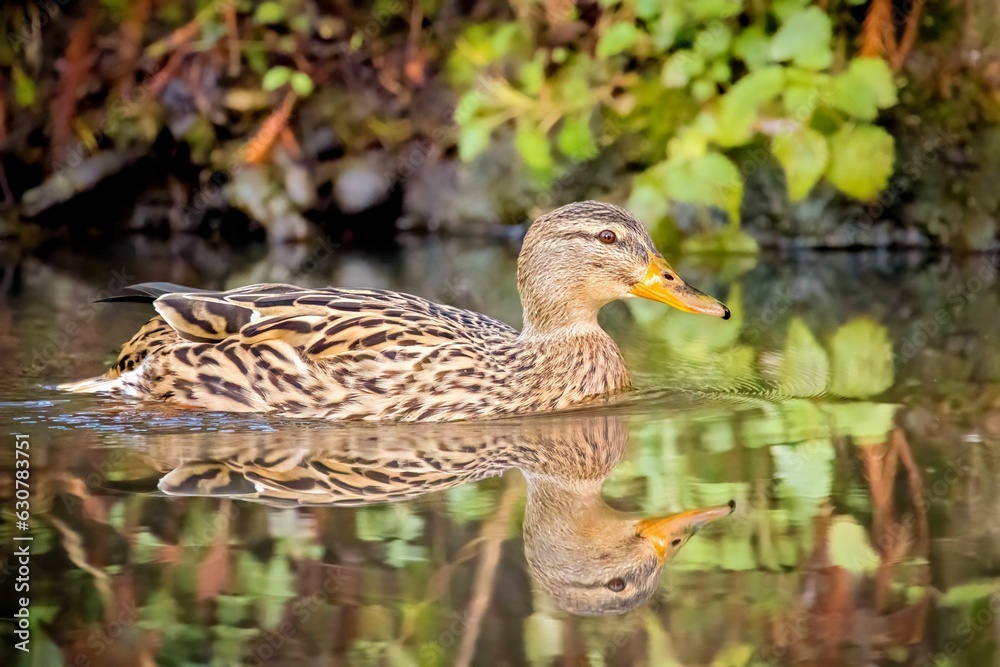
x=674 y=292
x=663 y=531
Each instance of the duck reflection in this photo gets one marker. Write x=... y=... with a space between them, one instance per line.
x=591 y=559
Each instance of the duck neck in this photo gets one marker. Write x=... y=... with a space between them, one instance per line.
x=557 y=506
x=558 y=320
x=578 y=363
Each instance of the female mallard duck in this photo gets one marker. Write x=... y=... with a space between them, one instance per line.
x=589 y=558
x=378 y=355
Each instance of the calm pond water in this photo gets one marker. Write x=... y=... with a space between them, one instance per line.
x=851 y=408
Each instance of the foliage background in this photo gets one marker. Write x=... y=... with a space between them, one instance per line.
x=723 y=124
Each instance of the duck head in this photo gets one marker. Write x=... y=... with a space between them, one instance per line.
x=582 y=256
x=593 y=560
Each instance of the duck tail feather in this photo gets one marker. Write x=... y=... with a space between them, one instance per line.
x=147 y=293
x=93 y=385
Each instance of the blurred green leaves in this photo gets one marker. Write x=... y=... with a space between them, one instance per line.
x=850 y=547
x=758 y=80
x=710 y=179
x=803 y=155
x=861 y=159
x=276 y=77
x=618 y=38
x=804 y=38
x=863 y=89
x=862 y=361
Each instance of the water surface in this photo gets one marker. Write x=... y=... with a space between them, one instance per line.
x=851 y=408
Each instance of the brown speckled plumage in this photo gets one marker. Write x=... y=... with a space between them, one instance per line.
x=379 y=355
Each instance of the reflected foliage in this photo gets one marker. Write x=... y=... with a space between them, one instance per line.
x=857 y=440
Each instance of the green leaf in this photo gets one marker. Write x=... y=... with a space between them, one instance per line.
x=720 y=72
x=861 y=160
x=850 y=547
x=782 y=9
x=864 y=88
x=576 y=139
x=618 y=38
x=502 y=39
x=729 y=240
x=714 y=41
x=680 y=68
x=24 y=88
x=804 y=365
x=966 y=594
x=801 y=100
x=543 y=638
x=648 y=10
x=667 y=27
x=473 y=138
x=467 y=106
x=302 y=84
x=803 y=155
x=533 y=75
x=850 y=95
x=711 y=179
x=740 y=105
x=533 y=147
x=276 y=77
x=753 y=47
x=861 y=355
x=648 y=200
x=866 y=423
x=268 y=13
x=805 y=39
x=806 y=474
x=877 y=76
x=707 y=10
x=703 y=90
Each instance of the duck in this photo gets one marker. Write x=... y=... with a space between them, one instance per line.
x=378 y=355
x=587 y=557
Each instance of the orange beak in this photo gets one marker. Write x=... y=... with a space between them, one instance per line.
x=664 y=531
x=663 y=285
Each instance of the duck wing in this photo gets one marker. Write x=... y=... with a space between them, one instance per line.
x=321 y=323
x=373 y=469
x=333 y=353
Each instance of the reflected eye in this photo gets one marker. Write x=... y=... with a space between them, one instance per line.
x=676 y=542
x=607 y=236
x=616 y=585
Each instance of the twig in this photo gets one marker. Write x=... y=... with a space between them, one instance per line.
x=131 y=45
x=233 y=34
x=916 y=483
x=181 y=36
x=166 y=73
x=413 y=68
x=258 y=148
x=74 y=72
x=8 y=196
x=493 y=532
x=909 y=37
x=877 y=37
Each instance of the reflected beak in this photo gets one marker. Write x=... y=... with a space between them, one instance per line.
x=662 y=532
x=673 y=292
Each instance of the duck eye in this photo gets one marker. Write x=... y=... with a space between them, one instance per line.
x=607 y=236
x=676 y=542
x=616 y=585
